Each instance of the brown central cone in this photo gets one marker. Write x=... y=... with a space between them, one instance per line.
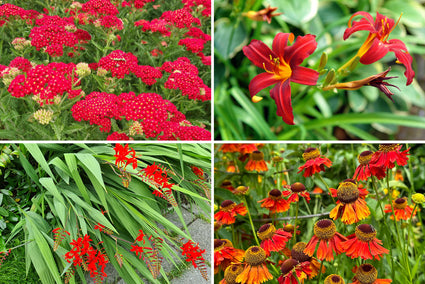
x=288 y=265
x=221 y=243
x=365 y=232
x=347 y=192
x=324 y=229
x=311 y=153
x=297 y=252
x=334 y=279
x=266 y=231
x=275 y=194
x=232 y=272
x=388 y=147
x=257 y=156
x=400 y=203
x=255 y=255
x=365 y=157
x=227 y=205
x=366 y=274
x=297 y=187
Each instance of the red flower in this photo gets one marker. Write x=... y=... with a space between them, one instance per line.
x=293 y=272
x=192 y=252
x=329 y=240
x=401 y=209
x=272 y=239
x=255 y=270
x=256 y=162
x=367 y=274
x=296 y=190
x=315 y=162
x=275 y=202
x=138 y=250
x=298 y=254
x=121 y=153
x=282 y=67
x=388 y=154
x=363 y=243
x=377 y=44
x=228 y=211
x=99 y=227
x=366 y=169
x=140 y=237
x=198 y=171
x=225 y=254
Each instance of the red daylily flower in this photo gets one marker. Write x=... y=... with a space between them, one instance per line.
x=282 y=67
x=377 y=44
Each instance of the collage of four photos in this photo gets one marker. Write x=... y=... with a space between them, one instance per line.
x=200 y=141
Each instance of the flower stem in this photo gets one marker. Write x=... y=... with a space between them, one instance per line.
x=250 y=221
x=320 y=273
x=295 y=223
x=324 y=182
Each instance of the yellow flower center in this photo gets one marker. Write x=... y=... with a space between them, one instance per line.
x=280 y=68
x=311 y=153
x=388 y=147
x=324 y=229
x=257 y=156
x=334 y=279
x=297 y=252
x=366 y=274
x=365 y=157
x=232 y=272
x=266 y=231
x=255 y=256
x=400 y=203
x=347 y=192
x=365 y=232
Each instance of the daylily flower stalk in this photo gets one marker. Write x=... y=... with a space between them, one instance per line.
x=281 y=66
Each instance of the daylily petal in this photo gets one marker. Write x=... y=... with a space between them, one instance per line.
x=259 y=54
x=302 y=48
x=281 y=41
x=260 y=82
x=375 y=52
x=304 y=75
x=400 y=51
x=281 y=94
x=365 y=24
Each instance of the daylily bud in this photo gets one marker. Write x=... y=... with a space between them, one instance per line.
x=262 y=15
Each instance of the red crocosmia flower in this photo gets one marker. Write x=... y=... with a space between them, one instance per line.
x=367 y=274
x=366 y=169
x=228 y=211
x=401 y=209
x=315 y=162
x=272 y=239
x=198 y=171
x=296 y=190
x=377 y=44
x=256 y=162
x=138 y=250
x=349 y=207
x=99 y=227
x=293 y=272
x=121 y=153
x=329 y=240
x=193 y=253
x=282 y=67
x=140 y=237
x=255 y=270
x=388 y=154
x=363 y=243
x=275 y=202
x=225 y=254
x=298 y=254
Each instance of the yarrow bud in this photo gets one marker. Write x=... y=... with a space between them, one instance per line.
x=83 y=70
x=43 y=116
x=20 y=43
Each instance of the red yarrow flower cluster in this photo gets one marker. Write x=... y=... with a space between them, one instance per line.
x=181 y=18
x=21 y=63
x=138 y=4
x=196 y=5
x=194 y=45
x=100 y=7
x=156 y=25
x=119 y=63
x=46 y=82
x=10 y=12
x=112 y=23
x=117 y=136
x=147 y=74
x=56 y=21
x=53 y=38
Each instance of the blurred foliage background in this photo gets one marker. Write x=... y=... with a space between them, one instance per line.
x=361 y=114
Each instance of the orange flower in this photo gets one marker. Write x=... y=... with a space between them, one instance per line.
x=367 y=274
x=297 y=253
x=229 y=148
x=231 y=273
x=228 y=211
x=365 y=169
x=330 y=240
x=231 y=168
x=350 y=208
x=275 y=202
x=255 y=270
x=315 y=162
x=317 y=190
x=401 y=209
x=362 y=191
x=293 y=272
x=296 y=190
x=256 y=162
x=272 y=239
x=363 y=243
x=225 y=254
x=399 y=175
x=334 y=279
x=262 y=15
x=388 y=154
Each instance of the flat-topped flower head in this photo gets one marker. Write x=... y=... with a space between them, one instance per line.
x=365 y=169
x=350 y=207
x=275 y=202
x=281 y=66
x=388 y=155
x=330 y=240
x=255 y=270
x=272 y=239
x=402 y=210
x=334 y=279
x=231 y=273
x=293 y=272
x=225 y=254
x=367 y=274
x=256 y=162
x=363 y=243
x=377 y=44
x=314 y=162
x=296 y=190
x=228 y=211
